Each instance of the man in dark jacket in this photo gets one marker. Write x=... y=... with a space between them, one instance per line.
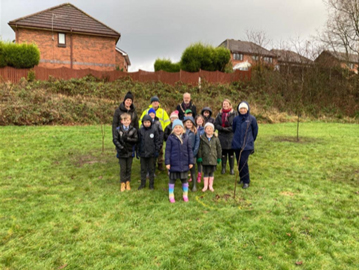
x=148 y=149
x=245 y=130
x=125 y=107
x=186 y=105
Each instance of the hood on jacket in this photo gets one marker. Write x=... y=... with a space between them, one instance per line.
x=245 y=103
x=189 y=118
x=147 y=118
x=207 y=109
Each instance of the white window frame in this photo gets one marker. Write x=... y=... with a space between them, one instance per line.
x=62 y=39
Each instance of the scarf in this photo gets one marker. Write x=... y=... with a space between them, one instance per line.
x=225 y=114
x=186 y=106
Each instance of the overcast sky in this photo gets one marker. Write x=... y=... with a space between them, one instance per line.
x=152 y=29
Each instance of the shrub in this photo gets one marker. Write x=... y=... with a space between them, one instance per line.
x=31 y=76
x=166 y=65
x=22 y=55
x=2 y=55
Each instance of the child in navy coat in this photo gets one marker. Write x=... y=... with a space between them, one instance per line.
x=178 y=159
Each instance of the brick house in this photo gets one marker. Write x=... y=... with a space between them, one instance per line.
x=68 y=37
x=338 y=59
x=246 y=52
x=287 y=58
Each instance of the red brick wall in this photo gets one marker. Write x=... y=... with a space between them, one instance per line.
x=93 y=52
x=121 y=61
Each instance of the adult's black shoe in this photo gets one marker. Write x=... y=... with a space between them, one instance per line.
x=245 y=186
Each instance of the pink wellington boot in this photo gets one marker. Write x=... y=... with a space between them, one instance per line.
x=199 y=176
x=205 y=181
x=211 y=184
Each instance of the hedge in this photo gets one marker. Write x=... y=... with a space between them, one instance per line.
x=19 y=55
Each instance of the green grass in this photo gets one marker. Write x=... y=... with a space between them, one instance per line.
x=61 y=206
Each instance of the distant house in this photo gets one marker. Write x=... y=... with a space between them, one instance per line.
x=287 y=58
x=68 y=37
x=335 y=59
x=245 y=54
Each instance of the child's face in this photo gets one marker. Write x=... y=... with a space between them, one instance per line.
x=178 y=130
x=243 y=110
x=199 y=121
x=126 y=122
x=152 y=115
x=173 y=118
x=209 y=130
x=206 y=113
x=188 y=124
x=147 y=123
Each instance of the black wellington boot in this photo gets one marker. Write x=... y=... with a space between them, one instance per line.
x=231 y=165
x=224 y=164
x=194 y=186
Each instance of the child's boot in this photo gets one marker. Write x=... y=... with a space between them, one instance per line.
x=185 y=191
x=194 y=186
x=123 y=187
x=224 y=164
x=128 y=187
x=231 y=165
x=199 y=176
x=143 y=185
x=205 y=181
x=171 y=195
x=211 y=183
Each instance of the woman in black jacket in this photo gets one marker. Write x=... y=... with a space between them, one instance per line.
x=223 y=124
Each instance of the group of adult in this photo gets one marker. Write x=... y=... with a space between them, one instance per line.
x=237 y=129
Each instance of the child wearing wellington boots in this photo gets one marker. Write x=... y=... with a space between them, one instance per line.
x=178 y=159
x=200 y=131
x=193 y=136
x=209 y=155
x=125 y=140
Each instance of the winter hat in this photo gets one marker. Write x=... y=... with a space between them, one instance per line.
x=176 y=123
x=188 y=111
x=129 y=95
x=208 y=124
x=189 y=118
x=146 y=118
x=243 y=105
x=155 y=98
x=174 y=114
x=152 y=110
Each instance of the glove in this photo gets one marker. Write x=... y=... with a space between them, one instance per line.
x=218 y=160
x=199 y=160
x=137 y=155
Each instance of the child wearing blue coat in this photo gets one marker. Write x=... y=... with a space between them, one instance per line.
x=178 y=159
x=193 y=136
x=245 y=129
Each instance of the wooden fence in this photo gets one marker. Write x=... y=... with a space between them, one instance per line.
x=14 y=75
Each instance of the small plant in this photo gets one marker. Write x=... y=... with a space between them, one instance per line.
x=31 y=75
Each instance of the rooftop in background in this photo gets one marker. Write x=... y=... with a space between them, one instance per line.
x=286 y=56
x=65 y=17
x=343 y=57
x=245 y=47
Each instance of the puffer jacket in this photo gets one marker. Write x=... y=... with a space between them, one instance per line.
x=245 y=130
x=116 y=122
x=125 y=141
x=148 y=140
x=225 y=134
x=178 y=155
x=209 y=151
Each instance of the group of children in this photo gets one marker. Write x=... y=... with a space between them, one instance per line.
x=187 y=142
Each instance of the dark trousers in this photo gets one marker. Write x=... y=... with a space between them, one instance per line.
x=125 y=169
x=228 y=152
x=243 y=165
x=147 y=165
x=173 y=181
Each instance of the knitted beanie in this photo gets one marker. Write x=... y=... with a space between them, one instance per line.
x=129 y=95
x=152 y=110
x=242 y=105
x=155 y=98
x=174 y=114
x=209 y=124
x=176 y=123
x=190 y=118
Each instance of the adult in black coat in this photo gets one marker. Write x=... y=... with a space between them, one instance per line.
x=125 y=107
x=186 y=105
x=223 y=124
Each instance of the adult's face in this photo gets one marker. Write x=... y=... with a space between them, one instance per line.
x=128 y=103
x=186 y=98
x=225 y=105
x=155 y=105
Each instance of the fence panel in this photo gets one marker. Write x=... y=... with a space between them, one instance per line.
x=41 y=73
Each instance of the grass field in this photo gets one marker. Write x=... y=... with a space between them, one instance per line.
x=61 y=207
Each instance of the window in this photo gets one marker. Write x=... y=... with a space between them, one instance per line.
x=238 y=56
x=351 y=65
x=62 y=40
x=255 y=57
x=268 y=59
